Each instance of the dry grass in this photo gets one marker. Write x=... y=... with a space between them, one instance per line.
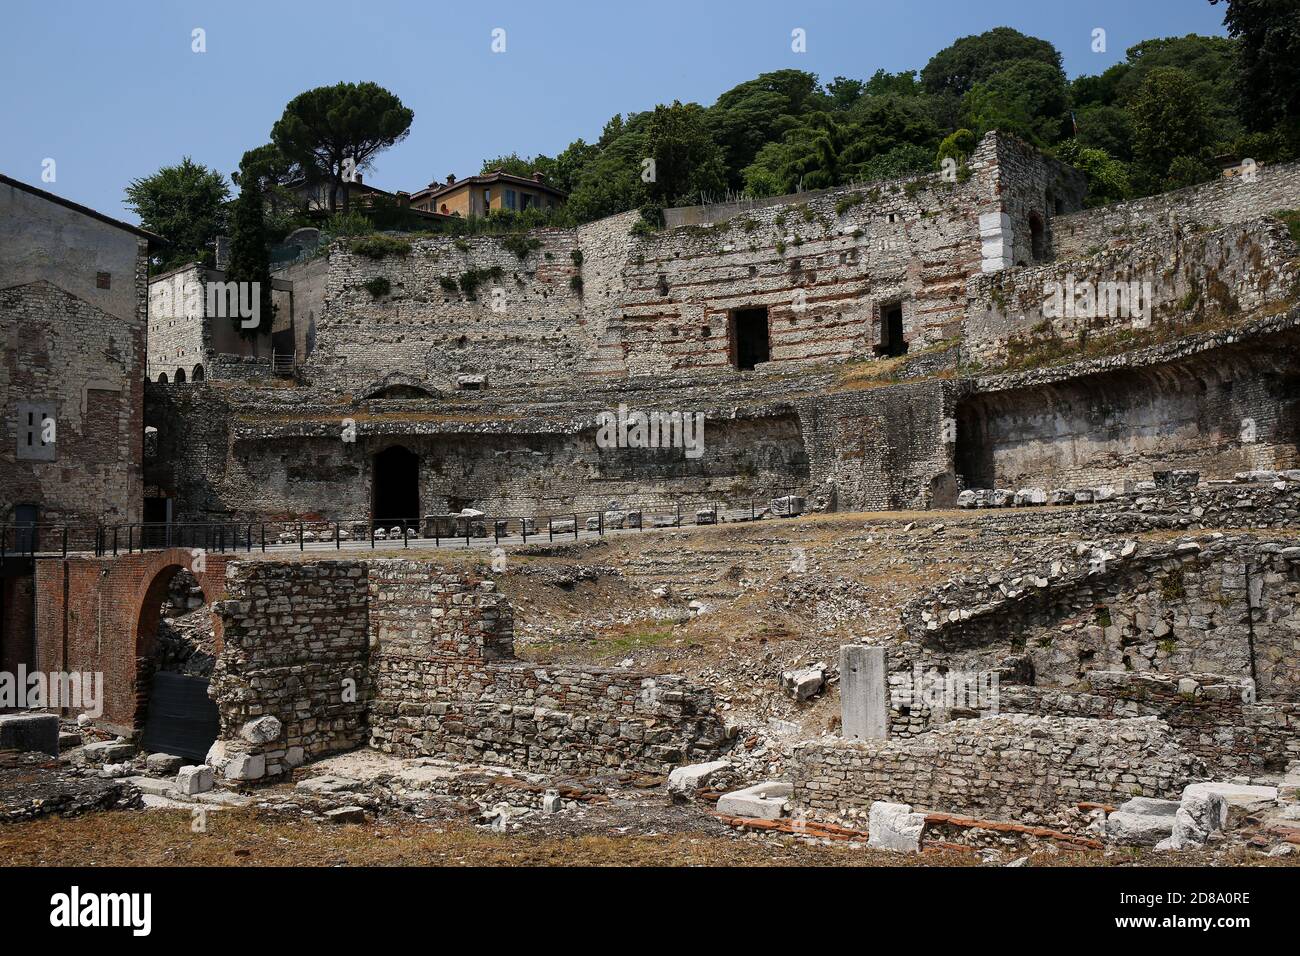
x=253 y=838
x=259 y=838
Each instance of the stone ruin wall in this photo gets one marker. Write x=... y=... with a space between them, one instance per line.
x=1005 y=766
x=430 y=657
x=597 y=301
x=447 y=684
x=1210 y=205
x=1204 y=636
x=1194 y=277
x=1220 y=403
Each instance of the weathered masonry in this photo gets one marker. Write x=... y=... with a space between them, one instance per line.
x=416 y=660
x=882 y=346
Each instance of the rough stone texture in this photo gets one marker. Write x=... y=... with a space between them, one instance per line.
x=893 y=826
x=446 y=683
x=26 y=732
x=1003 y=766
x=763 y=801
x=1210 y=205
x=416 y=660
x=864 y=694
x=294 y=647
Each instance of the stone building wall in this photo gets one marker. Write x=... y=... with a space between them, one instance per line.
x=72 y=319
x=446 y=684
x=1276 y=187
x=295 y=646
x=178 y=334
x=1228 y=606
x=1003 y=767
x=430 y=655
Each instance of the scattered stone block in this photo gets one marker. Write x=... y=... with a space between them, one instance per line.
x=195 y=779
x=242 y=766
x=763 y=801
x=106 y=751
x=789 y=505
x=262 y=730
x=804 y=682
x=1242 y=800
x=30 y=732
x=346 y=815
x=1142 y=821
x=706 y=516
x=894 y=826
x=685 y=782
x=165 y=765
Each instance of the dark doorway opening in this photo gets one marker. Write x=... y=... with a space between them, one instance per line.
x=156 y=532
x=175 y=655
x=1037 y=238
x=396 y=501
x=891 y=342
x=749 y=337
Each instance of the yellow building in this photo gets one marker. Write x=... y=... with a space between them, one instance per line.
x=478 y=195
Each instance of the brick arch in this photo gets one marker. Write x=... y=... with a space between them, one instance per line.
x=155 y=578
x=88 y=617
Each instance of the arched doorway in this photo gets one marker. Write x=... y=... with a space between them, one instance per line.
x=198 y=374
x=175 y=654
x=395 y=485
x=180 y=376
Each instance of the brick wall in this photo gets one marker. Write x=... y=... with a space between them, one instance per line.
x=101 y=615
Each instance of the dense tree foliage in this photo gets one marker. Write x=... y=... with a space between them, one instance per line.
x=1164 y=117
x=185 y=204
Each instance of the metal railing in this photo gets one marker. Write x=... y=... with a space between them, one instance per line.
x=45 y=541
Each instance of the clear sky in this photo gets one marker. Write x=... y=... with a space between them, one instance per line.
x=111 y=89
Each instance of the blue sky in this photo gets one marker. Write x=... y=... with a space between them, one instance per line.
x=111 y=90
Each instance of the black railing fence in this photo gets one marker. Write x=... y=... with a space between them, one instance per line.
x=61 y=540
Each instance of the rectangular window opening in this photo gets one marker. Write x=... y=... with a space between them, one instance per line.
x=749 y=345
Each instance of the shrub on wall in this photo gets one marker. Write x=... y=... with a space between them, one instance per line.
x=378 y=287
x=378 y=246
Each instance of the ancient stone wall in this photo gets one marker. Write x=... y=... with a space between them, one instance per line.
x=295 y=646
x=1004 y=767
x=1275 y=187
x=1218 y=402
x=1159 y=281
x=1216 y=718
x=414 y=659
x=446 y=684
x=1224 y=605
x=72 y=437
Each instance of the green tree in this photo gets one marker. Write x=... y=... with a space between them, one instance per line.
x=1028 y=99
x=1268 y=65
x=333 y=129
x=955 y=70
x=1170 y=123
x=687 y=162
x=512 y=163
x=1108 y=178
x=185 y=204
x=760 y=111
x=250 y=259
